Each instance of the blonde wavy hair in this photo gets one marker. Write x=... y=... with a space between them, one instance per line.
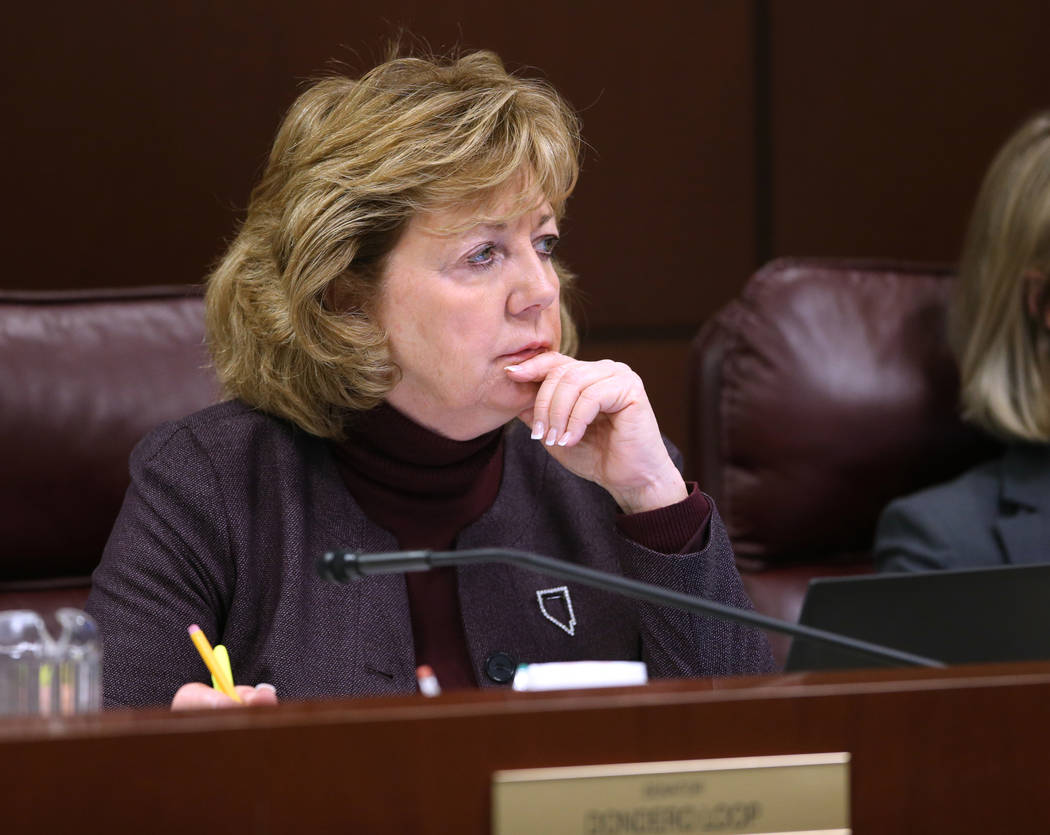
x=1003 y=348
x=352 y=163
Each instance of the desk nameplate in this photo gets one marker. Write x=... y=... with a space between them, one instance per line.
x=756 y=795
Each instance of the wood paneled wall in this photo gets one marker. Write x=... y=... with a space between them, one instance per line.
x=882 y=118
x=719 y=134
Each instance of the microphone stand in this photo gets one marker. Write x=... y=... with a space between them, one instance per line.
x=346 y=566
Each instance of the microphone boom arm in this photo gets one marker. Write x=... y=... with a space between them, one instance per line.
x=345 y=566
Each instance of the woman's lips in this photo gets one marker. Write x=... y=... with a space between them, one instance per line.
x=523 y=354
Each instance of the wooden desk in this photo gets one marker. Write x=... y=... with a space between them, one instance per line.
x=963 y=750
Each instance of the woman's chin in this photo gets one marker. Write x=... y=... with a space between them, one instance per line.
x=499 y=405
x=499 y=408
x=514 y=398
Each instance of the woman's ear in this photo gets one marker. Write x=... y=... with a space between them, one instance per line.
x=1037 y=297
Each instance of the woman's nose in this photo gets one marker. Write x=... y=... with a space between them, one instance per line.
x=535 y=287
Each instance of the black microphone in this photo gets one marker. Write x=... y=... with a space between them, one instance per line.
x=346 y=566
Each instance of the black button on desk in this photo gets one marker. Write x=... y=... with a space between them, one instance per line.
x=500 y=667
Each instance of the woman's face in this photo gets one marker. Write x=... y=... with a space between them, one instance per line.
x=458 y=308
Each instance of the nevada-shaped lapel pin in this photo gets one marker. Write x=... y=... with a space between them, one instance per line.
x=554 y=597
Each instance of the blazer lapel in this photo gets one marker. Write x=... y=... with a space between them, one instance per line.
x=384 y=648
x=493 y=603
x=1023 y=524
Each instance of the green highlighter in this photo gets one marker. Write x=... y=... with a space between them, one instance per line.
x=223 y=658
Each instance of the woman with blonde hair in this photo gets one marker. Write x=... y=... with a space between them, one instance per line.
x=388 y=323
x=999 y=512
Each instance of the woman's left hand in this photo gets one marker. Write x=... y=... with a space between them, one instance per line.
x=595 y=419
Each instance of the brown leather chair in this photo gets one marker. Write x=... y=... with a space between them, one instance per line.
x=823 y=391
x=83 y=376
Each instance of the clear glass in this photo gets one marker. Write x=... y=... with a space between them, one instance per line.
x=39 y=675
x=78 y=659
x=23 y=645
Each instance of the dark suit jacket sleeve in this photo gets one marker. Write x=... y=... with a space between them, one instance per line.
x=675 y=643
x=909 y=538
x=162 y=570
x=949 y=525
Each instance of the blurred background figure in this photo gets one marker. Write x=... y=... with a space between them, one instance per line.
x=997 y=513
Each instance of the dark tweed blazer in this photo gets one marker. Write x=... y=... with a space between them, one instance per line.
x=229 y=508
x=995 y=514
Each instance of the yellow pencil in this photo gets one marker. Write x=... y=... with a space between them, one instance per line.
x=208 y=656
x=223 y=658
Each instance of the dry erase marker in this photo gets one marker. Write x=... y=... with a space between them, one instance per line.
x=212 y=663
x=428 y=683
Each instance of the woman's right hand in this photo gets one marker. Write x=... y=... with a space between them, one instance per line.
x=600 y=425
x=196 y=695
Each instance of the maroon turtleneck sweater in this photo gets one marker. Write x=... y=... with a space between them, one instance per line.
x=425 y=488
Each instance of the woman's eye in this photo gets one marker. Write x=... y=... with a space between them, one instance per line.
x=483 y=257
x=547 y=244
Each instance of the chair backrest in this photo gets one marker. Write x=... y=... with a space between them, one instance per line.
x=83 y=376
x=824 y=390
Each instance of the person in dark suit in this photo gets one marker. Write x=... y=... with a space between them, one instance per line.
x=388 y=323
x=998 y=513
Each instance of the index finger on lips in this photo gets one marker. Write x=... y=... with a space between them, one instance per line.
x=537 y=367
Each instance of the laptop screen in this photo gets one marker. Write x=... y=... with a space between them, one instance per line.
x=962 y=616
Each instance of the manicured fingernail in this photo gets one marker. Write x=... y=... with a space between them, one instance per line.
x=265 y=685
x=537 y=430
x=564 y=439
x=512 y=368
x=552 y=436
